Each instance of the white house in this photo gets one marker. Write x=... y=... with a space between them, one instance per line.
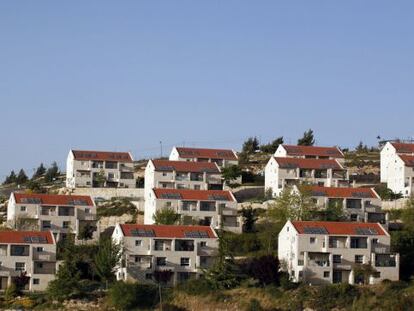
x=359 y=204
x=181 y=175
x=28 y=253
x=183 y=250
x=216 y=208
x=397 y=167
x=61 y=214
x=223 y=157
x=317 y=252
x=309 y=152
x=99 y=169
x=281 y=172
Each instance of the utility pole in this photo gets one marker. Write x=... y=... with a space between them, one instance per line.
x=161 y=147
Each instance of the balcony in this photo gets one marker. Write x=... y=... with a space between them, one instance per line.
x=124 y=168
x=44 y=256
x=207 y=207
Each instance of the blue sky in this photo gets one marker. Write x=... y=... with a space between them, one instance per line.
x=124 y=75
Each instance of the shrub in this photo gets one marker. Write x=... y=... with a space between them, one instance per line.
x=254 y=305
x=128 y=296
x=195 y=287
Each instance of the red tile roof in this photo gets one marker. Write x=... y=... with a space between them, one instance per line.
x=338 y=228
x=339 y=192
x=333 y=152
x=23 y=237
x=52 y=199
x=308 y=163
x=185 y=166
x=407 y=159
x=225 y=154
x=186 y=194
x=88 y=155
x=403 y=147
x=167 y=231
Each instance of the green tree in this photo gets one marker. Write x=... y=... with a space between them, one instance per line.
x=250 y=145
x=129 y=296
x=66 y=283
x=166 y=216
x=107 y=258
x=407 y=215
x=224 y=273
x=364 y=272
x=307 y=139
x=10 y=179
x=293 y=205
x=21 y=177
x=231 y=172
x=333 y=212
x=40 y=171
x=249 y=219
x=272 y=146
x=265 y=269
x=100 y=178
x=86 y=231
x=52 y=172
x=35 y=186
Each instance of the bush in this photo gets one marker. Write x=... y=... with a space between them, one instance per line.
x=254 y=305
x=195 y=287
x=129 y=296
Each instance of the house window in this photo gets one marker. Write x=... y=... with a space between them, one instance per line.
x=138 y=242
x=66 y=224
x=197 y=187
x=148 y=276
x=138 y=259
x=164 y=174
x=22 y=208
x=377 y=274
x=39 y=249
x=87 y=210
x=326 y=274
x=168 y=204
x=20 y=266
x=46 y=224
x=185 y=262
x=359 y=258
x=374 y=241
x=337 y=258
x=161 y=261
x=36 y=281
x=203 y=244
x=312 y=240
x=39 y=265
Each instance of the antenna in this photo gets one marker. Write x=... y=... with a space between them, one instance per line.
x=161 y=147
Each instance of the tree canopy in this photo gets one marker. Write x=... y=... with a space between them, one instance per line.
x=307 y=139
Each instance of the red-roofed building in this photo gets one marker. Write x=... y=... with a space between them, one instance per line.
x=284 y=171
x=322 y=252
x=182 y=175
x=184 y=250
x=61 y=214
x=397 y=167
x=223 y=157
x=84 y=168
x=358 y=204
x=217 y=208
x=309 y=152
x=30 y=252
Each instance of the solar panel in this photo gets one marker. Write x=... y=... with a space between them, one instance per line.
x=143 y=233
x=173 y=196
x=35 y=239
x=217 y=197
x=224 y=154
x=315 y=230
x=78 y=202
x=360 y=195
x=366 y=231
x=196 y=234
x=31 y=200
x=208 y=170
x=318 y=193
x=165 y=168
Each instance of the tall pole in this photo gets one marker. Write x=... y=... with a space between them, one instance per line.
x=161 y=147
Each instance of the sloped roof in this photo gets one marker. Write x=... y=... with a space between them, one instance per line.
x=307 y=163
x=403 y=147
x=407 y=159
x=185 y=166
x=167 y=231
x=225 y=154
x=89 y=155
x=199 y=195
x=295 y=150
x=340 y=192
x=52 y=199
x=338 y=228
x=26 y=237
